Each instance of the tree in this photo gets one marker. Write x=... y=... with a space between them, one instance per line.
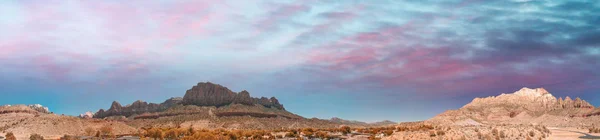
x=10 y=136
x=36 y=137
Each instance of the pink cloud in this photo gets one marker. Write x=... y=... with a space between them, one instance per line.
x=52 y=68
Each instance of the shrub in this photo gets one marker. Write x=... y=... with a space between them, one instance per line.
x=531 y=133
x=594 y=130
x=308 y=132
x=322 y=134
x=546 y=129
x=205 y=136
x=388 y=132
x=488 y=137
x=402 y=128
x=432 y=133
x=172 y=134
x=89 y=131
x=155 y=133
x=10 y=136
x=36 y=137
x=106 y=130
x=191 y=131
x=495 y=132
x=290 y=135
x=502 y=134
x=67 y=137
x=345 y=129
x=441 y=133
x=513 y=114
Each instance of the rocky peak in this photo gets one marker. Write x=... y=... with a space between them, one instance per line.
x=202 y=94
x=115 y=105
x=524 y=103
x=533 y=99
x=534 y=93
x=32 y=109
x=209 y=94
x=39 y=108
x=137 y=107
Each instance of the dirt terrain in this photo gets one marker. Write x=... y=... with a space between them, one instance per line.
x=569 y=133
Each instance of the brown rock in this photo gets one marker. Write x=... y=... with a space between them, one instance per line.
x=203 y=94
x=525 y=104
x=137 y=107
x=209 y=94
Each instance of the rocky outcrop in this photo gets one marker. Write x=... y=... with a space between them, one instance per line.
x=209 y=94
x=137 y=107
x=31 y=109
x=87 y=115
x=531 y=99
x=524 y=104
x=569 y=103
x=203 y=94
x=39 y=108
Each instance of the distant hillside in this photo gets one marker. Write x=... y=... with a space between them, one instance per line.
x=203 y=94
x=526 y=106
x=208 y=105
x=359 y=123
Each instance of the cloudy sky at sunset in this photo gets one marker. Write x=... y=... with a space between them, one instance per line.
x=360 y=60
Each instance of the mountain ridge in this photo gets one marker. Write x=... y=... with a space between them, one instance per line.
x=523 y=106
x=202 y=94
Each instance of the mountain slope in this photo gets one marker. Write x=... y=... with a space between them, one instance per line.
x=203 y=94
x=521 y=107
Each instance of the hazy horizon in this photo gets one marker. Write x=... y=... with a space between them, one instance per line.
x=367 y=61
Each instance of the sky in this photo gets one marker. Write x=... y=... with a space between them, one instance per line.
x=358 y=60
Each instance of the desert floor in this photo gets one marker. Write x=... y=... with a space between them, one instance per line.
x=571 y=134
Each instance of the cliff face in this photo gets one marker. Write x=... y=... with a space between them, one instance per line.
x=137 y=107
x=209 y=94
x=531 y=99
x=32 y=109
x=203 y=94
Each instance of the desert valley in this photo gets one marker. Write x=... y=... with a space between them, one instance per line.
x=299 y=69
x=212 y=111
